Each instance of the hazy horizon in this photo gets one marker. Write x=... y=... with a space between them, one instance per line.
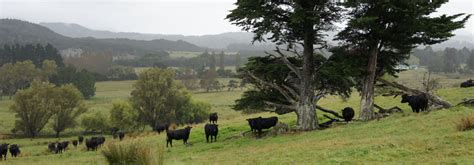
x=185 y=17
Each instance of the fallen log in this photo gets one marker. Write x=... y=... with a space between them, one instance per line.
x=432 y=98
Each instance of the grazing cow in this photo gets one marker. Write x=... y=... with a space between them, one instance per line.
x=4 y=151
x=262 y=123
x=74 y=143
x=213 y=117
x=178 y=135
x=121 y=135
x=92 y=144
x=161 y=127
x=15 y=150
x=81 y=139
x=59 y=147
x=211 y=130
x=417 y=103
x=467 y=84
x=65 y=144
x=348 y=114
x=52 y=147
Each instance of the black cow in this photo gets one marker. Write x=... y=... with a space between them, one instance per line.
x=467 y=84
x=15 y=150
x=260 y=123
x=61 y=147
x=348 y=114
x=121 y=135
x=74 y=143
x=161 y=127
x=213 y=117
x=92 y=144
x=52 y=147
x=4 y=151
x=417 y=103
x=252 y=124
x=81 y=139
x=211 y=130
x=101 y=140
x=178 y=135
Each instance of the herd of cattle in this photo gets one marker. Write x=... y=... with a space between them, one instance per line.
x=417 y=103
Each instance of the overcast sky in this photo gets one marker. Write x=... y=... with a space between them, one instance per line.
x=189 y=17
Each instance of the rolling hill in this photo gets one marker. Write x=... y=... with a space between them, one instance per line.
x=217 y=41
x=14 y=31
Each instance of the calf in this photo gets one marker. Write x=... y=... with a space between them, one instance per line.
x=178 y=135
x=467 y=84
x=4 y=151
x=211 y=130
x=52 y=147
x=417 y=103
x=213 y=118
x=161 y=127
x=74 y=143
x=263 y=123
x=348 y=114
x=81 y=139
x=15 y=150
x=92 y=144
x=121 y=135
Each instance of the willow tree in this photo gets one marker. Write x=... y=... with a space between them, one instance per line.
x=385 y=32
x=299 y=26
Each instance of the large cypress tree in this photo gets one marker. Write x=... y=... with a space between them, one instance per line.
x=385 y=31
x=299 y=26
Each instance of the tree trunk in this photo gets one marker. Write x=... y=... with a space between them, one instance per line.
x=306 y=112
x=367 y=93
x=306 y=117
x=57 y=134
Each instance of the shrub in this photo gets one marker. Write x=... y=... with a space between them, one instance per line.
x=465 y=123
x=132 y=152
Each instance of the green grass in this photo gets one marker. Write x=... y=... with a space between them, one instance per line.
x=425 y=138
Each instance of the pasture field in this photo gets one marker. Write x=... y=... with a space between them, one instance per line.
x=179 y=54
x=408 y=138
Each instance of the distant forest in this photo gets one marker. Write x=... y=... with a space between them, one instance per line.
x=450 y=60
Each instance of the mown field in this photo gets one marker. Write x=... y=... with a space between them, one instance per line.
x=425 y=138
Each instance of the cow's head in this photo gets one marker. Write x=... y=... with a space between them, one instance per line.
x=405 y=98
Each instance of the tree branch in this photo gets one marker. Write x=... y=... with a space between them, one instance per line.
x=329 y=111
x=281 y=90
x=292 y=107
x=290 y=65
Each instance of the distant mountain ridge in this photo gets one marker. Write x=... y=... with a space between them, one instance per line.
x=232 y=41
x=217 y=41
x=13 y=31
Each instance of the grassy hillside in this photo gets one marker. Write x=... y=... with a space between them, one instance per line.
x=426 y=138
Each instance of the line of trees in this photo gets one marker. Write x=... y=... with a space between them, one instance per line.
x=35 y=53
x=449 y=60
